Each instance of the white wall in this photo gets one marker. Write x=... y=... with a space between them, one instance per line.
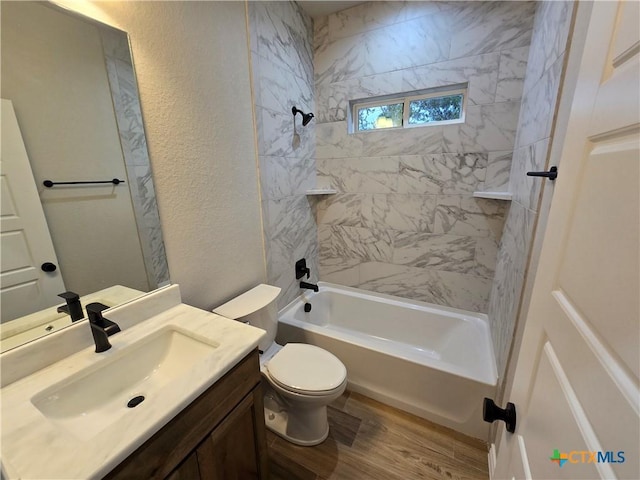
x=192 y=66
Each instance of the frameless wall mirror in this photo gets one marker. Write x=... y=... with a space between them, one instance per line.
x=71 y=113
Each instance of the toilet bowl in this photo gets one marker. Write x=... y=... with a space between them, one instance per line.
x=299 y=380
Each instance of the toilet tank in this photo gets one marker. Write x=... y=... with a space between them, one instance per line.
x=257 y=307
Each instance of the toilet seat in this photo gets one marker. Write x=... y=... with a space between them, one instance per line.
x=307 y=370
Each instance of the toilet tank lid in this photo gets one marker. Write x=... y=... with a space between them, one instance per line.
x=249 y=302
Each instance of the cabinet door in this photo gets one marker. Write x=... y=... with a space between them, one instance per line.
x=235 y=450
x=187 y=470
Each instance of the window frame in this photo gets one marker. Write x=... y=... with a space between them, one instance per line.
x=405 y=99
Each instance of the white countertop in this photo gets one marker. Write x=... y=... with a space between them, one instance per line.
x=34 y=447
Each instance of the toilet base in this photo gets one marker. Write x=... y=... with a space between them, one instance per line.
x=277 y=423
x=302 y=426
x=297 y=418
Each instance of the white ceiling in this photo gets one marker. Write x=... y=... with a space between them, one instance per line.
x=317 y=8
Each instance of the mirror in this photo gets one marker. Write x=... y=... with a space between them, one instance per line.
x=75 y=105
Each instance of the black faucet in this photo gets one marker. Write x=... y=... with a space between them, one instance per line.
x=101 y=328
x=73 y=307
x=310 y=286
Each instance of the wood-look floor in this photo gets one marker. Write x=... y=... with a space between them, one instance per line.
x=369 y=440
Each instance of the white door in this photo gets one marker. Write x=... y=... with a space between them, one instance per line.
x=576 y=380
x=26 y=242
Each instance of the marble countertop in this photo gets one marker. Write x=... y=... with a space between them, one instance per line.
x=35 y=447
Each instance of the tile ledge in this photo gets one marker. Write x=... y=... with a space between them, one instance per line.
x=320 y=191
x=494 y=195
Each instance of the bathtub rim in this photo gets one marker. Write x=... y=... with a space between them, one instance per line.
x=480 y=319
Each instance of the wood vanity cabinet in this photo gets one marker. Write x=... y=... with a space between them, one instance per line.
x=220 y=436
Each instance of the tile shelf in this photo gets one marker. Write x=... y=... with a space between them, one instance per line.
x=494 y=195
x=320 y=191
x=491 y=195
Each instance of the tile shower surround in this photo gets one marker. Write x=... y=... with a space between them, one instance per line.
x=282 y=62
x=405 y=221
x=535 y=124
x=411 y=180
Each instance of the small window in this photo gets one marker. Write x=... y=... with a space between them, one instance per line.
x=435 y=109
x=380 y=116
x=413 y=109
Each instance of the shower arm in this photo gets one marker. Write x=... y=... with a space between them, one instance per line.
x=306 y=117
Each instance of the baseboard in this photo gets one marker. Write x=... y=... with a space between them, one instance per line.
x=492 y=461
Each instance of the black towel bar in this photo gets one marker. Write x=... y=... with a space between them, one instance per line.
x=49 y=183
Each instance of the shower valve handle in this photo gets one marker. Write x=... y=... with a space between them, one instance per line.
x=301 y=269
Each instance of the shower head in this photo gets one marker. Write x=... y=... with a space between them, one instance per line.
x=306 y=117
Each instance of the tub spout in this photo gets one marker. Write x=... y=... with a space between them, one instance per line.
x=310 y=286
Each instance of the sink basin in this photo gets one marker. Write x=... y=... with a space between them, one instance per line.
x=94 y=398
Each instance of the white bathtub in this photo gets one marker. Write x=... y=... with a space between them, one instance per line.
x=433 y=361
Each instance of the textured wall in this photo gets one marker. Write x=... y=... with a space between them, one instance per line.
x=281 y=57
x=405 y=221
x=539 y=103
x=192 y=66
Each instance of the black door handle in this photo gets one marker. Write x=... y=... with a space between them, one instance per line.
x=491 y=412
x=48 y=267
x=552 y=174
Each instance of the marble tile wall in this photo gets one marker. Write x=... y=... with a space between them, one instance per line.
x=535 y=125
x=281 y=37
x=124 y=92
x=404 y=221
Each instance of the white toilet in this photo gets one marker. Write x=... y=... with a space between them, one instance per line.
x=300 y=380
